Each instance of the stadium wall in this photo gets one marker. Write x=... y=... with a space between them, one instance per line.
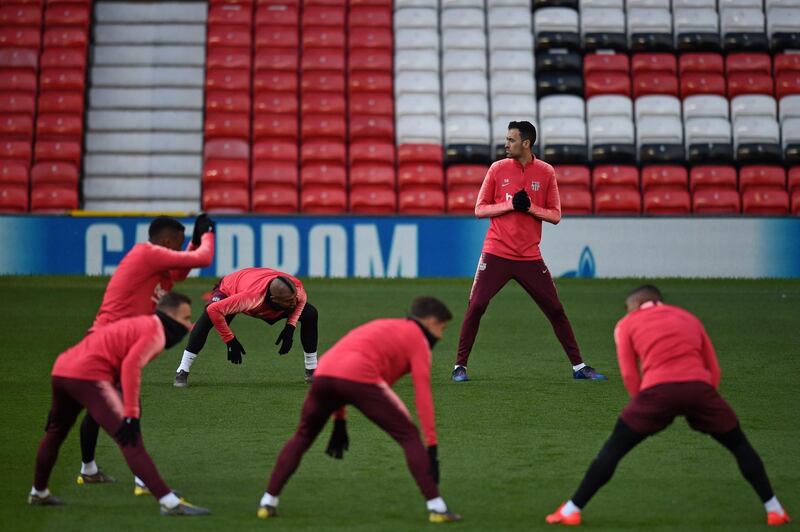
x=419 y=247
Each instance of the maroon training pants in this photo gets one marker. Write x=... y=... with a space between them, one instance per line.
x=104 y=404
x=378 y=403
x=492 y=275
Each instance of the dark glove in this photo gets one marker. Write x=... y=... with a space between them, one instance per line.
x=202 y=225
x=339 y=441
x=286 y=337
x=521 y=201
x=434 y=467
x=235 y=351
x=128 y=432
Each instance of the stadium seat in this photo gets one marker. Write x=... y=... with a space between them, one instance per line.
x=674 y=177
x=276 y=37
x=227 y=126
x=603 y=28
x=19 y=37
x=696 y=28
x=616 y=176
x=237 y=58
x=322 y=81
x=575 y=200
x=277 y=15
x=14 y=172
x=710 y=200
x=371 y=199
x=233 y=35
x=368 y=59
x=371 y=104
x=787 y=83
x=275 y=173
x=419 y=175
x=275 y=126
x=743 y=62
x=53 y=198
x=660 y=140
x=323 y=151
x=573 y=175
x=225 y=149
x=323 y=200
x=757 y=140
x=562 y=106
x=59 y=126
x=794 y=179
x=790 y=135
x=316 y=15
x=650 y=29
x=603 y=62
x=612 y=200
x=369 y=37
x=322 y=59
x=13 y=198
x=787 y=62
x=277 y=59
x=228 y=79
x=795 y=206
x=708 y=141
x=226 y=172
x=753 y=105
x=421 y=201
x=277 y=102
x=716 y=177
x=370 y=82
x=782 y=27
x=323 y=37
x=63 y=58
x=410 y=152
x=466 y=175
x=461 y=200
x=564 y=140
x=368 y=174
x=275 y=200
x=18 y=80
x=67 y=15
x=226 y=199
x=372 y=152
x=742 y=29
x=556 y=27
x=705 y=106
x=56 y=150
x=610 y=105
x=789 y=107
x=419 y=129
x=16 y=150
x=702 y=83
x=600 y=83
x=369 y=16
x=323 y=174
x=62 y=79
x=765 y=201
x=649 y=83
x=16 y=127
x=16 y=15
x=700 y=62
x=761 y=176
x=227 y=101
x=665 y=201
x=329 y=126
x=664 y=63
x=749 y=83
x=230 y=14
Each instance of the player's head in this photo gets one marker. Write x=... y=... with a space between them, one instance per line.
x=432 y=314
x=167 y=232
x=520 y=139
x=638 y=296
x=175 y=312
x=281 y=294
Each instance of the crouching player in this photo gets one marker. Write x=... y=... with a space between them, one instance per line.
x=679 y=377
x=262 y=293
x=359 y=370
x=89 y=374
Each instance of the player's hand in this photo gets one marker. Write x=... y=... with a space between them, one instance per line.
x=285 y=338
x=202 y=225
x=521 y=201
x=235 y=351
x=339 y=441
x=128 y=432
x=434 y=461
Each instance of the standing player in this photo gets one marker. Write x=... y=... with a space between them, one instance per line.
x=679 y=377
x=518 y=193
x=89 y=375
x=262 y=293
x=360 y=370
x=145 y=274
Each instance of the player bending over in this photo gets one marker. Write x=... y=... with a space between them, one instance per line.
x=679 y=376
x=90 y=374
x=262 y=293
x=518 y=194
x=147 y=272
x=360 y=370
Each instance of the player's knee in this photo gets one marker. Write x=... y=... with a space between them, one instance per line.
x=477 y=307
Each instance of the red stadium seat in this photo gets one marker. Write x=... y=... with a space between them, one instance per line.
x=323 y=174
x=765 y=201
x=370 y=81
x=17 y=102
x=749 y=83
x=58 y=79
x=322 y=81
x=13 y=198
x=409 y=153
x=226 y=199
x=711 y=200
x=322 y=102
x=370 y=17
x=787 y=63
x=20 y=58
x=371 y=127
x=59 y=127
x=16 y=127
x=795 y=203
x=275 y=37
x=319 y=151
x=64 y=58
x=372 y=152
x=55 y=173
x=277 y=15
x=420 y=175
x=761 y=176
x=227 y=126
x=61 y=102
x=16 y=150
x=275 y=173
x=597 y=63
x=700 y=62
x=718 y=177
x=54 y=198
x=572 y=175
x=383 y=3
x=274 y=80
x=57 y=150
x=466 y=175
x=323 y=16
x=66 y=37
x=613 y=175
x=275 y=200
x=664 y=63
x=323 y=37
x=323 y=200
x=700 y=83
x=338 y=3
x=276 y=103
x=226 y=149
x=462 y=199
x=370 y=59
x=221 y=14
x=228 y=101
x=233 y=58
x=18 y=80
x=373 y=200
x=226 y=172
x=369 y=38
x=322 y=59
x=277 y=59
x=228 y=79
x=756 y=63
x=787 y=83
x=369 y=174
x=421 y=201
x=275 y=150
x=281 y=126
x=15 y=15
x=13 y=172
x=794 y=178
x=601 y=83
x=20 y=37
x=648 y=83
x=233 y=35
x=371 y=104
x=575 y=200
x=667 y=201
x=67 y=15
x=675 y=177
x=613 y=200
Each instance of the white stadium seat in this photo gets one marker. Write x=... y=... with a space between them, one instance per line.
x=416 y=17
x=705 y=106
x=427 y=60
x=512 y=82
x=511 y=60
x=416 y=39
x=656 y=4
x=649 y=20
x=446 y=4
x=789 y=107
x=702 y=20
x=615 y=4
x=465 y=82
x=666 y=106
x=790 y=132
x=419 y=104
x=514 y=104
x=400 y=4
x=467 y=130
x=416 y=81
x=463 y=60
x=754 y=105
x=707 y=131
x=781 y=3
x=659 y=130
x=491 y=4
x=602 y=20
x=463 y=18
x=609 y=105
x=419 y=129
x=756 y=130
x=466 y=104
x=783 y=20
x=561 y=19
x=510 y=39
x=727 y=4
x=611 y=130
x=510 y=17
x=744 y=20
x=500 y=126
x=563 y=131
x=694 y=4
x=470 y=38
x=557 y=106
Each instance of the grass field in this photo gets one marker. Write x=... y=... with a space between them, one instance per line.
x=514 y=441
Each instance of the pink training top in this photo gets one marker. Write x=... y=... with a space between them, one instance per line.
x=670 y=345
x=516 y=235
x=115 y=353
x=145 y=274
x=246 y=291
x=382 y=351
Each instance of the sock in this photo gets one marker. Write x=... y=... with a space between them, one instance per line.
x=457 y=366
x=89 y=469
x=187 y=361
x=569 y=508
x=437 y=505
x=44 y=493
x=578 y=367
x=269 y=500
x=139 y=482
x=773 y=505
x=311 y=360
x=170 y=500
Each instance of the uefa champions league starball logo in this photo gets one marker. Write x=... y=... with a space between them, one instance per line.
x=586 y=266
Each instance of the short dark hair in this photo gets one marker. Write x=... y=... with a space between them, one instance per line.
x=526 y=130
x=425 y=307
x=648 y=292
x=164 y=223
x=173 y=300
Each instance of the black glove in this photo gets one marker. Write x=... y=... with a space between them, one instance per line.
x=434 y=467
x=235 y=351
x=521 y=201
x=286 y=337
x=339 y=441
x=128 y=432
x=202 y=225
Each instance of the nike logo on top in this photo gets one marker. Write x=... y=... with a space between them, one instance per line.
x=505 y=184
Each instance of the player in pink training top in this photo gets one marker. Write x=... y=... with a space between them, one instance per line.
x=145 y=274
x=679 y=376
x=91 y=374
x=262 y=293
x=518 y=193
x=360 y=370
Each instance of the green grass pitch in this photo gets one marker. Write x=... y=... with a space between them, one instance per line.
x=514 y=442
